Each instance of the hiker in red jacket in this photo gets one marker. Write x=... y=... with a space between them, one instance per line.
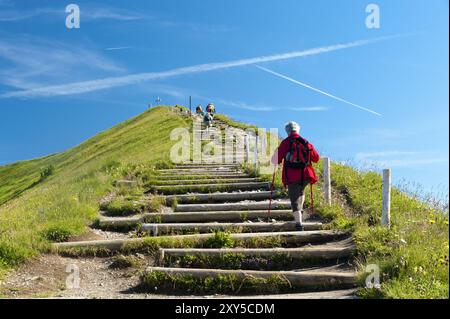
x=297 y=155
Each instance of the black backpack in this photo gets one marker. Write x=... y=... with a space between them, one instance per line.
x=298 y=154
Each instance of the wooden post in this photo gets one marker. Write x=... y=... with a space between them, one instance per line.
x=327 y=180
x=256 y=154
x=190 y=105
x=386 y=215
x=247 y=148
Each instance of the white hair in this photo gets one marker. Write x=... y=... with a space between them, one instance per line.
x=291 y=127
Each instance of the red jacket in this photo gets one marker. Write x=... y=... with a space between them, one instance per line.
x=294 y=175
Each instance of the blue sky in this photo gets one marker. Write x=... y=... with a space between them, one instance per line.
x=48 y=102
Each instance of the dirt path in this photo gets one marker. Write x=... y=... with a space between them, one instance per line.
x=52 y=275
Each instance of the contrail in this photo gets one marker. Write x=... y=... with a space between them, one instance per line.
x=262 y=108
x=111 y=82
x=117 y=48
x=316 y=90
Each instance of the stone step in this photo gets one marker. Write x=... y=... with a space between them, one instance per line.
x=241 y=206
x=217 y=169
x=120 y=223
x=201 y=176
x=127 y=223
x=330 y=294
x=213 y=134
x=224 y=148
x=199 y=172
x=240 y=160
x=203 y=166
x=318 y=252
x=212 y=174
x=284 y=238
x=228 y=159
x=218 y=216
x=195 y=170
x=215 y=181
x=182 y=189
x=295 y=280
x=162 y=229
x=239 y=144
x=220 y=197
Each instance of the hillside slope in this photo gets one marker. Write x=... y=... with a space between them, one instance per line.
x=56 y=197
x=65 y=199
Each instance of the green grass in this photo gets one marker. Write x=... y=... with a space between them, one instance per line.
x=276 y=262
x=219 y=240
x=55 y=197
x=123 y=262
x=226 y=284
x=413 y=255
x=126 y=206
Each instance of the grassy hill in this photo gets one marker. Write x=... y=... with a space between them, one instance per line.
x=56 y=197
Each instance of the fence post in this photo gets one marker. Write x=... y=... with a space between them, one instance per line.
x=190 y=105
x=256 y=154
x=247 y=148
x=386 y=215
x=327 y=180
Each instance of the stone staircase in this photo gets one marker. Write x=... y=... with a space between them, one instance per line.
x=202 y=199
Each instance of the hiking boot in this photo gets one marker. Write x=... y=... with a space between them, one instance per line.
x=299 y=227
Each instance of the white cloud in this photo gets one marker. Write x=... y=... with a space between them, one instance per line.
x=112 y=82
x=12 y=15
x=34 y=62
x=87 y=12
x=309 y=109
x=383 y=154
x=410 y=162
x=110 y=101
x=167 y=90
x=195 y=27
x=181 y=93
x=110 y=13
x=400 y=159
x=116 y=48
x=262 y=107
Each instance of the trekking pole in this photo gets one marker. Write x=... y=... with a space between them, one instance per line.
x=312 y=199
x=271 y=189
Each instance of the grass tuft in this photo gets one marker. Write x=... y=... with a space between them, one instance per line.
x=219 y=240
x=226 y=284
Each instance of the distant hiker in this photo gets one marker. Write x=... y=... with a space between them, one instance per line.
x=209 y=116
x=199 y=111
x=208 y=120
x=210 y=108
x=297 y=155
